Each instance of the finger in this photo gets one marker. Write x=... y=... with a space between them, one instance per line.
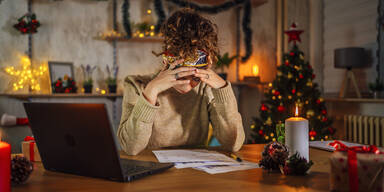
x=181 y=69
x=202 y=76
x=202 y=71
x=177 y=62
x=180 y=82
x=186 y=73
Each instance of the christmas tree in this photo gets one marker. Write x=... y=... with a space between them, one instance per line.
x=293 y=86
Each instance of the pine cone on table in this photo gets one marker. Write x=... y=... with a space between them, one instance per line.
x=21 y=168
x=274 y=156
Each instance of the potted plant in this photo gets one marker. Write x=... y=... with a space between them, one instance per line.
x=222 y=62
x=376 y=87
x=112 y=78
x=88 y=81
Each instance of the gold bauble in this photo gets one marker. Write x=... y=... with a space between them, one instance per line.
x=289 y=97
x=273 y=139
x=273 y=91
x=299 y=94
x=310 y=113
x=279 y=73
x=301 y=56
x=270 y=84
x=266 y=137
x=269 y=121
x=273 y=97
x=289 y=75
x=326 y=137
x=252 y=126
x=307 y=102
x=272 y=134
x=321 y=99
x=309 y=84
x=297 y=80
x=279 y=97
x=300 y=104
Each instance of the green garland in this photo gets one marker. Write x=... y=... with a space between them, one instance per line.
x=207 y=9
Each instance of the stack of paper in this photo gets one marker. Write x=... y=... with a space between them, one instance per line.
x=325 y=144
x=209 y=161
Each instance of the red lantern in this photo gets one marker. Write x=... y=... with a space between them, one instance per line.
x=301 y=76
x=280 y=108
x=261 y=132
x=312 y=133
x=263 y=107
x=276 y=93
x=293 y=91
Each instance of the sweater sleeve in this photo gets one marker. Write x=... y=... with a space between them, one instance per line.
x=137 y=118
x=225 y=118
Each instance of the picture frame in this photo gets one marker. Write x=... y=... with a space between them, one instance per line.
x=59 y=70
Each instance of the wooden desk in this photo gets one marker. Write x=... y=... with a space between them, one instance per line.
x=190 y=179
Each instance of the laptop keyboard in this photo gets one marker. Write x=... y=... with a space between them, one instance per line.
x=130 y=169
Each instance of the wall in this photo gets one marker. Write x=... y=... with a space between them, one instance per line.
x=67 y=34
x=348 y=23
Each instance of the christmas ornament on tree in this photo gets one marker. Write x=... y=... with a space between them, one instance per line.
x=292 y=86
x=274 y=156
x=21 y=168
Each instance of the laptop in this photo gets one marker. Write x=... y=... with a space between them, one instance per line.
x=78 y=139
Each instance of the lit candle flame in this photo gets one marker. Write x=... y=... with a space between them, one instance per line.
x=297 y=111
x=255 y=70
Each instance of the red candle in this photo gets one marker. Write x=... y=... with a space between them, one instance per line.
x=5 y=167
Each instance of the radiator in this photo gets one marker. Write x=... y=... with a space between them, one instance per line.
x=364 y=129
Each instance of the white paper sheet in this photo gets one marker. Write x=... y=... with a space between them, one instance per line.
x=324 y=144
x=174 y=156
x=181 y=165
x=215 y=169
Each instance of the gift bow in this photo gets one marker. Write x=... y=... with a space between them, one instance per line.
x=31 y=141
x=352 y=160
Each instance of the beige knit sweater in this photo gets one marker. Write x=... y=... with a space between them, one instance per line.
x=178 y=119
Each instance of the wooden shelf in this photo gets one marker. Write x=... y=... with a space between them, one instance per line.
x=248 y=83
x=133 y=39
x=356 y=100
x=25 y=96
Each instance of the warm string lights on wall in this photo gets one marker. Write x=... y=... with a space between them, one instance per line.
x=27 y=76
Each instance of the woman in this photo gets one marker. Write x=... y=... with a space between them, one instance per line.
x=175 y=106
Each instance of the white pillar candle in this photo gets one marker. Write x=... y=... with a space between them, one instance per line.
x=296 y=136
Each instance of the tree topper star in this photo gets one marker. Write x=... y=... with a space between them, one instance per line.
x=293 y=33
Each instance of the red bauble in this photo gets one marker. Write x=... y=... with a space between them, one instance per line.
x=277 y=93
x=263 y=107
x=318 y=101
x=291 y=53
x=280 y=108
x=324 y=112
x=261 y=132
x=293 y=91
x=325 y=119
x=313 y=76
x=312 y=133
x=287 y=63
x=309 y=67
x=331 y=130
x=67 y=90
x=301 y=76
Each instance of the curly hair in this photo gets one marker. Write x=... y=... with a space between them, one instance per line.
x=186 y=31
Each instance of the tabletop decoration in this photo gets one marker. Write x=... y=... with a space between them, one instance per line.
x=358 y=168
x=296 y=135
x=88 y=81
x=274 y=156
x=21 y=169
x=29 y=149
x=296 y=165
x=112 y=78
x=5 y=166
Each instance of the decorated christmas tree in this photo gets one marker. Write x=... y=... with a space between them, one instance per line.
x=293 y=86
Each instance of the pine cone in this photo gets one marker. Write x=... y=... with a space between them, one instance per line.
x=21 y=168
x=274 y=156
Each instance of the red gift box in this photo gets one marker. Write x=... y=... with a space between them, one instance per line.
x=356 y=169
x=29 y=149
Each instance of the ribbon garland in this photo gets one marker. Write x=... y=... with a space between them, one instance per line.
x=31 y=141
x=352 y=160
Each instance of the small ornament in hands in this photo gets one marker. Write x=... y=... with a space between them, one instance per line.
x=296 y=165
x=274 y=156
x=21 y=168
x=27 y=24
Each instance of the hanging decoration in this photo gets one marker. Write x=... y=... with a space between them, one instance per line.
x=26 y=76
x=27 y=24
x=206 y=9
x=126 y=22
